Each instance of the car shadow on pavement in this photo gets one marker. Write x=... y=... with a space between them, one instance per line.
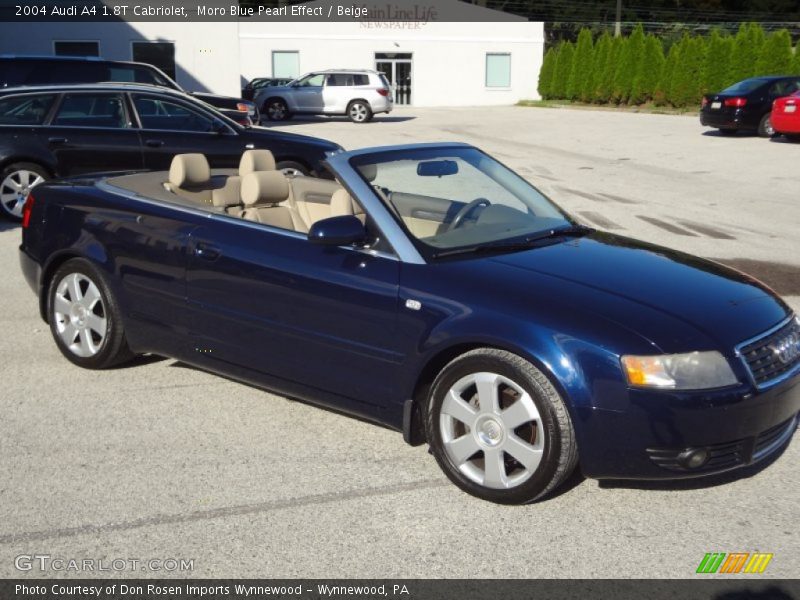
x=5 y=225
x=695 y=483
x=773 y=592
x=782 y=139
x=313 y=119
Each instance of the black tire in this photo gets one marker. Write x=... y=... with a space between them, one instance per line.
x=765 y=128
x=11 y=198
x=276 y=109
x=558 y=448
x=727 y=132
x=112 y=347
x=292 y=168
x=359 y=111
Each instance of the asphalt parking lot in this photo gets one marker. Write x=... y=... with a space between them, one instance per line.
x=158 y=460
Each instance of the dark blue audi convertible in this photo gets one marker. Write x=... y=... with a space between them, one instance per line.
x=431 y=289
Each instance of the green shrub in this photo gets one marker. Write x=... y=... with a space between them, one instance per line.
x=776 y=56
x=546 y=73
x=563 y=69
x=649 y=72
x=580 y=75
x=602 y=53
x=718 y=62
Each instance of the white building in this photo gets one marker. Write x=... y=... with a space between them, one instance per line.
x=429 y=63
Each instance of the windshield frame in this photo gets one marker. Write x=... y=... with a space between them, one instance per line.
x=428 y=152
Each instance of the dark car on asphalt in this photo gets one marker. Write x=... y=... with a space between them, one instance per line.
x=433 y=290
x=46 y=70
x=252 y=86
x=60 y=131
x=746 y=105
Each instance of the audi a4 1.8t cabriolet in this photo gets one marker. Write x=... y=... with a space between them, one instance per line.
x=431 y=289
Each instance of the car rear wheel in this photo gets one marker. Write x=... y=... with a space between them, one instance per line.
x=359 y=112
x=765 y=128
x=276 y=110
x=16 y=181
x=499 y=429
x=84 y=317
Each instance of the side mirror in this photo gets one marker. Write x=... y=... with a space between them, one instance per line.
x=337 y=231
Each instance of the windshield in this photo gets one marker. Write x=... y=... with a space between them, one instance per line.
x=448 y=198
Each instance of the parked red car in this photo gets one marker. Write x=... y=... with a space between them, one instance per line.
x=785 y=116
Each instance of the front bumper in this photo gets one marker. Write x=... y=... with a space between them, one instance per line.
x=650 y=439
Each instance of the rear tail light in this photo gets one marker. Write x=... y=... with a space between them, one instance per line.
x=736 y=102
x=26 y=211
x=250 y=109
x=383 y=91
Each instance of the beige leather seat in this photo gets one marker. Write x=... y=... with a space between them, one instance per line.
x=190 y=178
x=342 y=204
x=267 y=199
x=256 y=160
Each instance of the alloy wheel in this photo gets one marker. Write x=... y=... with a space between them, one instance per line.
x=80 y=315
x=491 y=430
x=15 y=188
x=358 y=112
x=276 y=111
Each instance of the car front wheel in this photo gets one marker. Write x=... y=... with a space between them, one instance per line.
x=499 y=429
x=84 y=317
x=16 y=181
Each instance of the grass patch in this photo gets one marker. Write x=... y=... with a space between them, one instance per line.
x=643 y=108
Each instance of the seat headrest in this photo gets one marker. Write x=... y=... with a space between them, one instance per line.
x=370 y=172
x=341 y=204
x=264 y=187
x=256 y=160
x=188 y=170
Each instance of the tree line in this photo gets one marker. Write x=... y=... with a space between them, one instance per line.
x=635 y=69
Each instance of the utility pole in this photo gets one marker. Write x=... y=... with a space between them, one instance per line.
x=618 y=24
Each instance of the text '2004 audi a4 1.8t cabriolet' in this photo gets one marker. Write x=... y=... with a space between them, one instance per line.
x=431 y=289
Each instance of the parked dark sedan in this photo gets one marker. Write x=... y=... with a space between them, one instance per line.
x=16 y=71
x=59 y=131
x=433 y=290
x=746 y=106
x=249 y=90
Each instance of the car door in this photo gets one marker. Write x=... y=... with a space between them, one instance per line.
x=92 y=132
x=307 y=93
x=273 y=302
x=170 y=126
x=335 y=94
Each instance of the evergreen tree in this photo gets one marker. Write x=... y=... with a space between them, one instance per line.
x=580 y=74
x=649 y=72
x=563 y=70
x=718 y=62
x=776 y=54
x=602 y=51
x=546 y=73
x=687 y=80
x=622 y=70
x=606 y=81
x=661 y=95
x=746 y=51
x=796 y=67
x=631 y=68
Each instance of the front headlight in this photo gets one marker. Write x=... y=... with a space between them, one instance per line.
x=691 y=371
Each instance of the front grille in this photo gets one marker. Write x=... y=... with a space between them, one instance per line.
x=774 y=355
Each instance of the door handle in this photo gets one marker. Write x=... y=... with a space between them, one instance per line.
x=154 y=143
x=57 y=140
x=206 y=252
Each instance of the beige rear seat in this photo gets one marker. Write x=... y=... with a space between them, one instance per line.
x=190 y=178
x=267 y=199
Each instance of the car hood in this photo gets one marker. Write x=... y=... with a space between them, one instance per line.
x=666 y=296
x=274 y=136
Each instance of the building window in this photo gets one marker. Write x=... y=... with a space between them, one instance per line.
x=158 y=54
x=76 y=48
x=498 y=70
x=285 y=65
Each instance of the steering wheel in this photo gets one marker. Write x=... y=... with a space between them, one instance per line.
x=466 y=210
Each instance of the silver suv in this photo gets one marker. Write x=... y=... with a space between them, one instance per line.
x=359 y=94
